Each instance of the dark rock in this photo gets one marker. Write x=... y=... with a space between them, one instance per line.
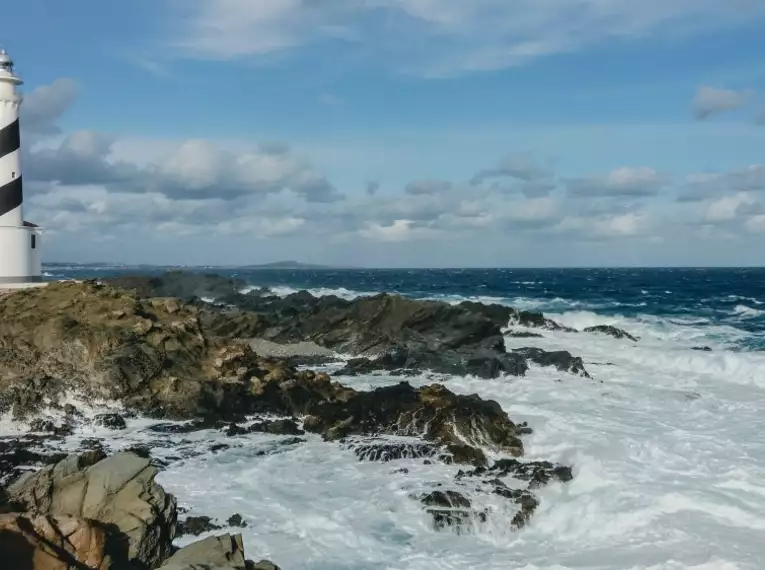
x=611 y=331
x=111 y=421
x=391 y=451
x=523 y=334
x=431 y=412
x=219 y=447
x=139 y=450
x=461 y=453
x=195 y=526
x=451 y=510
x=562 y=359
x=236 y=520
x=702 y=348
x=276 y=427
x=537 y=473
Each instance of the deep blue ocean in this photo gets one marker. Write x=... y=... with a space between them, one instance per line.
x=730 y=298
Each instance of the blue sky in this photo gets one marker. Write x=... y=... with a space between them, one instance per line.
x=395 y=132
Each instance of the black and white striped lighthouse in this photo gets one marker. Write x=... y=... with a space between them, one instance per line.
x=20 y=260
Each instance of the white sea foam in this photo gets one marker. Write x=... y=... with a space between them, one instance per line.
x=746 y=312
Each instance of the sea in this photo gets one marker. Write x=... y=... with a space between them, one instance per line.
x=666 y=441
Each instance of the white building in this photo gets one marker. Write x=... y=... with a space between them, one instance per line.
x=20 y=259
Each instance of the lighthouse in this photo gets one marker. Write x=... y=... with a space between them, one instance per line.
x=20 y=260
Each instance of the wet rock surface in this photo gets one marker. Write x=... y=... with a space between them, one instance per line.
x=561 y=359
x=611 y=331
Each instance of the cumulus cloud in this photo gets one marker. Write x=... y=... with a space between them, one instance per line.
x=194 y=169
x=711 y=100
x=439 y=37
x=703 y=186
x=622 y=182
x=518 y=166
x=45 y=105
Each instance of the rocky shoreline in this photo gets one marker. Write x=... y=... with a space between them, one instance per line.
x=161 y=348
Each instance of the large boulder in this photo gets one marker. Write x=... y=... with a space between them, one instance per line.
x=118 y=491
x=224 y=552
x=52 y=543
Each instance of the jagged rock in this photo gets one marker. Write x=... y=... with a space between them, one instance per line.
x=224 y=552
x=611 y=331
x=431 y=412
x=537 y=473
x=154 y=357
x=390 y=451
x=276 y=427
x=702 y=348
x=236 y=520
x=118 y=491
x=195 y=526
x=451 y=339
x=111 y=421
x=523 y=334
x=450 y=509
x=52 y=543
x=561 y=359
x=20 y=453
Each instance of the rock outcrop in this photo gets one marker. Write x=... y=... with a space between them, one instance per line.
x=52 y=543
x=224 y=552
x=392 y=332
x=611 y=331
x=105 y=344
x=118 y=491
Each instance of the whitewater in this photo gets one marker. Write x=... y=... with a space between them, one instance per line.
x=665 y=441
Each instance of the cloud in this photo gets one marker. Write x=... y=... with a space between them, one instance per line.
x=518 y=166
x=195 y=169
x=372 y=187
x=44 y=106
x=439 y=37
x=711 y=100
x=727 y=208
x=703 y=186
x=622 y=182
x=427 y=187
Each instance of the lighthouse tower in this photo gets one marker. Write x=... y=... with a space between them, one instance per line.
x=20 y=260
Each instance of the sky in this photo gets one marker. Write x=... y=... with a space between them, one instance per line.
x=394 y=133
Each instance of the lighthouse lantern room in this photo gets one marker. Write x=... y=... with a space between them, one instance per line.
x=20 y=260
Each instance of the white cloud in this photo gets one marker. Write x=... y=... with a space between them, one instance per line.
x=711 y=100
x=43 y=107
x=727 y=208
x=518 y=166
x=624 y=182
x=441 y=37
